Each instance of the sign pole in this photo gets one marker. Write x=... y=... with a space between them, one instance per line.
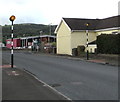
x=87 y=24
x=12 y=46
x=12 y=18
x=87 y=45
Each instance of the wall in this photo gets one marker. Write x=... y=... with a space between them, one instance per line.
x=16 y=43
x=8 y=43
x=91 y=48
x=80 y=38
x=63 y=40
x=106 y=32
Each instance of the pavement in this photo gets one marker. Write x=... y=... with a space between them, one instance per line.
x=93 y=60
x=20 y=85
x=98 y=61
x=112 y=61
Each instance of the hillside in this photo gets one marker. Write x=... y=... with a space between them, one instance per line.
x=21 y=30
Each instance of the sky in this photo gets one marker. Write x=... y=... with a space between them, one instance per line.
x=51 y=11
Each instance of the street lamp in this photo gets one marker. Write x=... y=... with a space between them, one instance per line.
x=49 y=32
x=12 y=18
x=87 y=25
x=50 y=28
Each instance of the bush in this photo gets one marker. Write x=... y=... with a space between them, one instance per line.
x=80 y=49
x=108 y=44
x=53 y=44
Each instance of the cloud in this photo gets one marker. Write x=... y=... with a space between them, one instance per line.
x=119 y=8
x=51 y=11
x=19 y=2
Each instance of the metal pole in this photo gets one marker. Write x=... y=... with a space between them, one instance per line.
x=12 y=46
x=12 y=18
x=26 y=43
x=87 y=45
x=50 y=33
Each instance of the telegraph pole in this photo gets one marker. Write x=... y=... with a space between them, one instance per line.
x=12 y=18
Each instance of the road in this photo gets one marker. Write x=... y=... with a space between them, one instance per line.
x=76 y=79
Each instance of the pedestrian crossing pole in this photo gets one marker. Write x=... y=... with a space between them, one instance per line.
x=87 y=24
x=12 y=18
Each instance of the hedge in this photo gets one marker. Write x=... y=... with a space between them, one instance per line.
x=108 y=44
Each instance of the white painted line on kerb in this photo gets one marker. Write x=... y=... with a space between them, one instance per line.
x=47 y=85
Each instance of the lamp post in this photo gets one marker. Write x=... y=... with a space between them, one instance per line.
x=49 y=31
x=87 y=24
x=12 y=18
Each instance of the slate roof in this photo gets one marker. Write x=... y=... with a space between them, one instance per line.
x=109 y=22
x=95 y=24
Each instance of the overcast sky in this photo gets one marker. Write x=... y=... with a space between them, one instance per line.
x=51 y=11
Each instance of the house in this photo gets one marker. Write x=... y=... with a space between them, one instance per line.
x=71 y=32
x=47 y=38
x=25 y=42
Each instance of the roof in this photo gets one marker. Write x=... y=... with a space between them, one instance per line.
x=52 y=36
x=29 y=37
x=79 y=24
x=108 y=22
x=95 y=24
x=34 y=37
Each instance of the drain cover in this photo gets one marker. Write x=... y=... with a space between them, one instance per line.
x=55 y=85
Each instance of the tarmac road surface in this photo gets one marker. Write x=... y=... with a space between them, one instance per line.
x=76 y=79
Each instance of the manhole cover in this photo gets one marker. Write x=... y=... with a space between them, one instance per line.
x=55 y=85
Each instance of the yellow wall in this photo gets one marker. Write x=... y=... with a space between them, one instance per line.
x=80 y=38
x=91 y=48
x=106 y=32
x=63 y=40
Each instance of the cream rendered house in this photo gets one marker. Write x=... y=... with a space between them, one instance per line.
x=71 y=32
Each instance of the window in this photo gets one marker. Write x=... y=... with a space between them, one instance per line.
x=8 y=42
